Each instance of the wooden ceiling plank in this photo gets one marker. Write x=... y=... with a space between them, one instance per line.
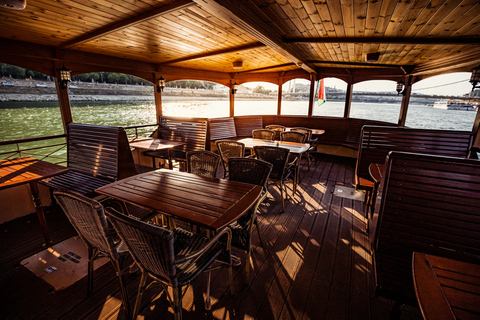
x=126 y=23
x=373 y=13
x=243 y=19
x=388 y=40
x=386 y=12
x=437 y=17
x=458 y=19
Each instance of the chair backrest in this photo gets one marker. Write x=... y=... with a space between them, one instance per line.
x=150 y=245
x=88 y=218
x=278 y=157
x=306 y=131
x=293 y=136
x=249 y=170
x=264 y=134
x=277 y=128
x=229 y=149
x=203 y=163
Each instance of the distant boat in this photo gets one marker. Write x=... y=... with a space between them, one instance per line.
x=453 y=104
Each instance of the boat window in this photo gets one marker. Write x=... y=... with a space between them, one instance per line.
x=329 y=97
x=376 y=100
x=29 y=105
x=443 y=102
x=295 y=95
x=256 y=98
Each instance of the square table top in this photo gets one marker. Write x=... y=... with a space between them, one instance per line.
x=294 y=147
x=154 y=144
x=206 y=202
x=22 y=170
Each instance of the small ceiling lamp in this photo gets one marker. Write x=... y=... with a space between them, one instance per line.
x=161 y=84
x=64 y=77
x=237 y=65
x=475 y=78
x=400 y=86
x=372 y=57
x=234 y=88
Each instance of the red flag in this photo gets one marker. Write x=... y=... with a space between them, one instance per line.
x=321 y=92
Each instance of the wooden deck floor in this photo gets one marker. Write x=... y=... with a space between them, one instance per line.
x=314 y=264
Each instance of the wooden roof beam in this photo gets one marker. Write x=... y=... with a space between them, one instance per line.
x=242 y=17
x=214 y=53
x=116 y=26
x=364 y=64
x=391 y=40
x=268 y=68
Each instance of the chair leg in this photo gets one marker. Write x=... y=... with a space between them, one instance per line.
x=177 y=303
x=247 y=267
x=91 y=255
x=281 y=196
x=141 y=290
x=259 y=234
x=208 y=303
x=123 y=289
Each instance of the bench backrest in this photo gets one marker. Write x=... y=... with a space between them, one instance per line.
x=191 y=131
x=244 y=125
x=377 y=141
x=101 y=151
x=222 y=128
x=426 y=204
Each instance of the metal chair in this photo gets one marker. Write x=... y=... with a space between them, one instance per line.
x=277 y=128
x=253 y=171
x=263 y=134
x=203 y=163
x=229 y=149
x=310 y=140
x=172 y=258
x=278 y=157
x=294 y=159
x=88 y=218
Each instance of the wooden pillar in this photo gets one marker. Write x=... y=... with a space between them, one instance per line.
x=279 y=98
x=312 y=96
x=232 y=99
x=348 y=100
x=64 y=103
x=405 y=100
x=158 y=99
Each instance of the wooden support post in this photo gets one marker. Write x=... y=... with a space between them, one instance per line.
x=405 y=100
x=158 y=99
x=64 y=103
x=312 y=95
x=232 y=100
x=348 y=100
x=279 y=98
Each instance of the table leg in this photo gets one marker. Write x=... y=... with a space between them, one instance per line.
x=170 y=162
x=39 y=210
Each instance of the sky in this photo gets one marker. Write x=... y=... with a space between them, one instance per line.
x=447 y=84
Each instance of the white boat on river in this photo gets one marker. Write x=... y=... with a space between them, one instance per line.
x=453 y=104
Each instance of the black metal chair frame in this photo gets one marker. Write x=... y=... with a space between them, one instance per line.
x=92 y=227
x=172 y=258
x=253 y=171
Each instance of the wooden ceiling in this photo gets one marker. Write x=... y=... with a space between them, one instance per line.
x=320 y=37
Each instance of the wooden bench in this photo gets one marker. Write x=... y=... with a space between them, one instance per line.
x=428 y=204
x=377 y=141
x=191 y=131
x=97 y=155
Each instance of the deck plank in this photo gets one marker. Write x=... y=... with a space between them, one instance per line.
x=315 y=263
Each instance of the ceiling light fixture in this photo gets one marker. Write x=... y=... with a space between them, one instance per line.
x=234 y=88
x=237 y=65
x=161 y=84
x=372 y=57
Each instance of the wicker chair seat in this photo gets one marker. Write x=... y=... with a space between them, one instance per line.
x=203 y=163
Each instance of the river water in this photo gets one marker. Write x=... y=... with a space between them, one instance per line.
x=24 y=120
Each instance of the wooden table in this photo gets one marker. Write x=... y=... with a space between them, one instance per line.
x=206 y=202
x=155 y=145
x=22 y=170
x=294 y=147
x=445 y=288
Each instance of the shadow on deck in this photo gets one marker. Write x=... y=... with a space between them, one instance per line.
x=315 y=263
